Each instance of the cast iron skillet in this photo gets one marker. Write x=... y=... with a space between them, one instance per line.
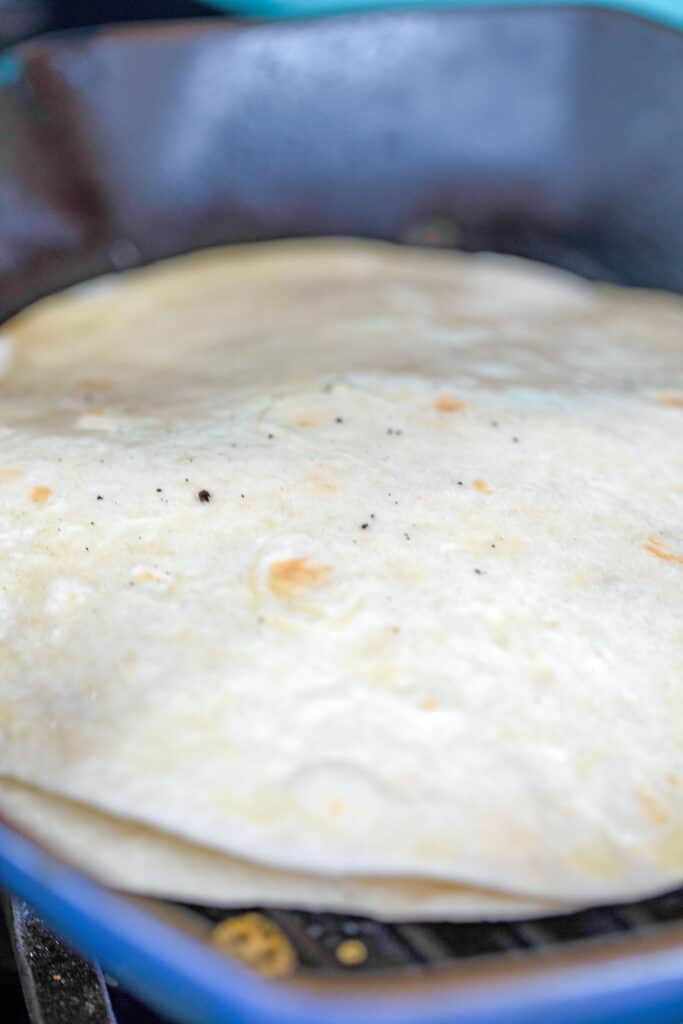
x=552 y=134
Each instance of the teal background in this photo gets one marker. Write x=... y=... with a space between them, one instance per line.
x=670 y=12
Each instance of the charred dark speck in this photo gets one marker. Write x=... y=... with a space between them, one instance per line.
x=204 y=495
x=100 y=498
x=159 y=490
x=364 y=526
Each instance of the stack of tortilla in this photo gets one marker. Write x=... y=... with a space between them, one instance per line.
x=340 y=575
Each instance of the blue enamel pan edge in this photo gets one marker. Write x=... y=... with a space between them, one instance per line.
x=188 y=982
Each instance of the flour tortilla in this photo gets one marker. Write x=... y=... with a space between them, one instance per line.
x=345 y=559
x=135 y=858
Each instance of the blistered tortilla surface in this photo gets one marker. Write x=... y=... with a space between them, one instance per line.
x=346 y=559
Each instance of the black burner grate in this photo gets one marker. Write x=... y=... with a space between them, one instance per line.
x=60 y=987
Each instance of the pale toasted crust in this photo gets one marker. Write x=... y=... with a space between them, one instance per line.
x=347 y=559
x=138 y=858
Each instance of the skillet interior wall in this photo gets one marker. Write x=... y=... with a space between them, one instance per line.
x=521 y=131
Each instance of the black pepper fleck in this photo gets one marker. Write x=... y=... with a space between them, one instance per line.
x=495 y=423
x=479 y=572
x=159 y=490
x=515 y=440
x=241 y=495
x=271 y=436
x=460 y=483
x=100 y=498
x=338 y=419
x=204 y=495
x=364 y=526
x=407 y=536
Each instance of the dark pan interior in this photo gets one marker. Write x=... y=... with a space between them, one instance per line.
x=553 y=134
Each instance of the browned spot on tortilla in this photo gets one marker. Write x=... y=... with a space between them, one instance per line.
x=427 y=703
x=654 y=809
x=305 y=421
x=94 y=384
x=657 y=547
x=323 y=482
x=672 y=778
x=672 y=398
x=40 y=493
x=335 y=807
x=10 y=472
x=292 y=574
x=446 y=403
x=482 y=487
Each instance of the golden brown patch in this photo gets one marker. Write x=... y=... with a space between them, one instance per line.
x=657 y=547
x=322 y=482
x=446 y=403
x=652 y=807
x=482 y=487
x=40 y=493
x=256 y=942
x=335 y=808
x=427 y=704
x=672 y=778
x=305 y=421
x=10 y=472
x=94 y=384
x=148 y=576
x=351 y=952
x=292 y=574
x=672 y=398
